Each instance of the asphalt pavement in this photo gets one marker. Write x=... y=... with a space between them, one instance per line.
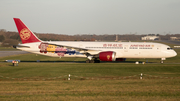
x=171 y=42
x=9 y=53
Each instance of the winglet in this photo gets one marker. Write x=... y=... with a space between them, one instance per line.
x=27 y=36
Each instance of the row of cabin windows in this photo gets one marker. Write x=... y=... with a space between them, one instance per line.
x=113 y=47
x=117 y=47
x=107 y=47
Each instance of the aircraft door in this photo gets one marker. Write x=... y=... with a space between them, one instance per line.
x=126 y=48
x=159 y=52
x=158 y=48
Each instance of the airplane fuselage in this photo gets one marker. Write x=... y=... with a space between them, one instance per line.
x=122 y=49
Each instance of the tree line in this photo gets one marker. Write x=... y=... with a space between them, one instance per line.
x=14 y=38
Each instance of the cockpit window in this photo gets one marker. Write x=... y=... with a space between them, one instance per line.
x=169 y=48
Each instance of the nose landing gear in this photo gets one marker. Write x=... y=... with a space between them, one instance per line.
x=162 y=60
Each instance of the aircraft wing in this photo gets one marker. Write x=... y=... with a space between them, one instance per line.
x=81 y=50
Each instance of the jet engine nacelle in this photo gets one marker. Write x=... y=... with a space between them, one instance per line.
x=107 y=56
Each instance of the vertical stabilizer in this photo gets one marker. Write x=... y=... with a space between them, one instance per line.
x=25 y=34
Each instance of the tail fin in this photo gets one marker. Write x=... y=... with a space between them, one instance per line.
x=26 y=35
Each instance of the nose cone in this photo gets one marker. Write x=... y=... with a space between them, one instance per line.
x=171 y=53
x=174 y=54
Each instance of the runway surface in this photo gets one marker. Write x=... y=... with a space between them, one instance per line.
x=9 y=53
x=171 y=42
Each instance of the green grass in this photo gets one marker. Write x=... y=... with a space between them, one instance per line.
x=108 y=90
x=46 y=70
x=39 y=81
x=29 y=81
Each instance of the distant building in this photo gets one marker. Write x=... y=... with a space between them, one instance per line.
x=150 y=37
x=116 y=38
x=175 y=38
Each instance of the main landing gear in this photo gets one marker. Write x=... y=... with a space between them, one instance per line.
x=92 y=61
x=162 y=60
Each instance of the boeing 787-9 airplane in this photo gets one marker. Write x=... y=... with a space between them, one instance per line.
x=93 y=51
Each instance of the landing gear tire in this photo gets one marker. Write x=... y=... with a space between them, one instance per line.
x=91 y=61
x=97 y=61
x=87 y=61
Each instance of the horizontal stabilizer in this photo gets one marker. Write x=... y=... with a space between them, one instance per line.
x=21 y=46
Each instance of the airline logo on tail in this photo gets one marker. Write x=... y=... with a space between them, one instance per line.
x=25 y=34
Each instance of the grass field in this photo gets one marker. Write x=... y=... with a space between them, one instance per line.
x=88 y=90
x=111 y=81
x=47 y=80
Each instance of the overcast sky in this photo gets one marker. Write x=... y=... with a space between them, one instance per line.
x=93 y=16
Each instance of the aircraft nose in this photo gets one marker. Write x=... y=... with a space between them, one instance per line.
x=171 y=54
x=174 y=53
